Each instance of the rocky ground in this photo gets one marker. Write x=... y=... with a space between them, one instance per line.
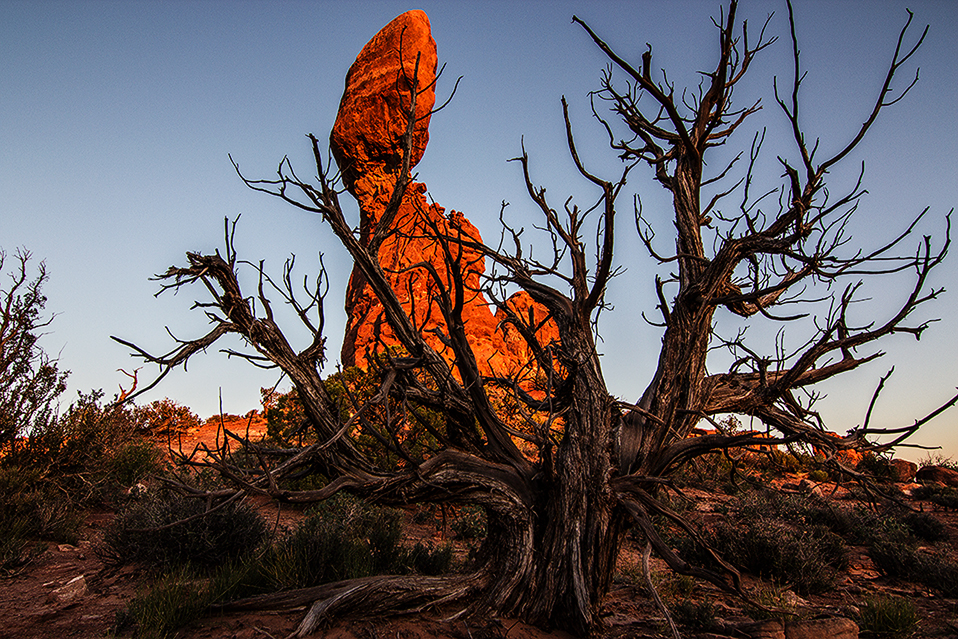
x=67 y=591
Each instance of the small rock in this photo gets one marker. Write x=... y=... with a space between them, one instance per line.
x=791 y=599
x=830 y=628
x=66 y=548
x=908 y=487
x=73 y=590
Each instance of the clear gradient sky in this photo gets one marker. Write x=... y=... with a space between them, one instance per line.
x=116 y=119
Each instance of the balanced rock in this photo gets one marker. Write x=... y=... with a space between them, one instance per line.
x=420 y=247
x=367 y=137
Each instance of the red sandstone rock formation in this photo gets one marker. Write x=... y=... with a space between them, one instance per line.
x=937 y=475
x=367 y=136
x=366 y=142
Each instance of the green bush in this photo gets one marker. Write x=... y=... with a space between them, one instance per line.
x=164 y=417
x=470 y=523
x=878 y=467
x=945 y=497
x=807 y=559
x=694 y=615
x=31 y=507
x=925 y=526
x=87 y=453
x=431 y=560
x=30 y=383
x=894 y=558
x=341 y=538
x=889 y=617
x=142 y=533
x=818 y=476
x=16 y=550
x=134 y=461
x=171 y=602
x=901 y=559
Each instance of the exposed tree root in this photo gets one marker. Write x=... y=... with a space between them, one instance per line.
x=367 y=595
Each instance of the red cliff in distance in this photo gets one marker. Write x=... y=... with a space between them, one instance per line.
x=366 y=142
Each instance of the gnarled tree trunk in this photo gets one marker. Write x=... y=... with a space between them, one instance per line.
x=557 y=509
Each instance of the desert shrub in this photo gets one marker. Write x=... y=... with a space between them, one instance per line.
x=171 y=602
x=345 y=538
x=30 y=382
x=944 y=497
x=888 y=617
x=938 y=572
x=775 y=604
x=901 y=559
x=877 y=466
x=15 y=548
x=341 y=538
x=32 y=508
x=676 y=586
x=431 y=560
x=470 y=523
x=807 y=559
x=786 y=539
x=818 y=476
x=694 y=615
x=925 y=526
x=164 y=417
x=937 y=459
x=142 y=533
x=858 y=525
x=893 y=558
x=87 y=453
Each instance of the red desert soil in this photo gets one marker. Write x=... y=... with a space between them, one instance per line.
x=37 y=602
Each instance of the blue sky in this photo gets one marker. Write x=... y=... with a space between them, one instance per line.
x=116 y=119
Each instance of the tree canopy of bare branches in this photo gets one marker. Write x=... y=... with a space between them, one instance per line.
x=572 y=467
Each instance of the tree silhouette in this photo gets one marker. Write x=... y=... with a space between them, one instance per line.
x=590 y=465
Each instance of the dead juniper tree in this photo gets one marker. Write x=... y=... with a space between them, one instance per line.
x=597 y=465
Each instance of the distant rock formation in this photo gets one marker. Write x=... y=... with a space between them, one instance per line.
x=937 y=475
x=366 y=142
